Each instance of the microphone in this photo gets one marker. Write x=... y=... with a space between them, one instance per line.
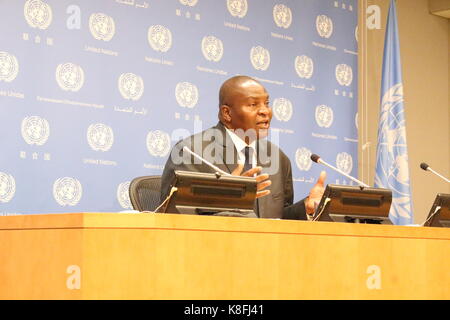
x=426 y=167
x=317 y=159
x=218 y=171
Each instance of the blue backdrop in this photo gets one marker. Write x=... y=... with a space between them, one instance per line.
x=95 y=93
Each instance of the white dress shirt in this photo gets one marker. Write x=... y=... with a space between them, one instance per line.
x=240 y=147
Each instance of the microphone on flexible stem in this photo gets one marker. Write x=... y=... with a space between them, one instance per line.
x=317 y=159
x=219 y=172
x=426 y=167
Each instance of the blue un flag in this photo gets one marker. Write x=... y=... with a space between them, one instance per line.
x=392 y=170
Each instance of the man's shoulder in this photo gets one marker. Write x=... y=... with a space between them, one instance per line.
x=273 y=148
x=205 y=135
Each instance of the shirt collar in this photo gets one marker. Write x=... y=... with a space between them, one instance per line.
x=238 y=142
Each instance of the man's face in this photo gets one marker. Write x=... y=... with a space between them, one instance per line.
x=249 y=109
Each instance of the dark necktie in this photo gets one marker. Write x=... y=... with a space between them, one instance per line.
x=248 y=161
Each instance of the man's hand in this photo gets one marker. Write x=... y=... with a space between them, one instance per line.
x=261 y=179
x=316 y=193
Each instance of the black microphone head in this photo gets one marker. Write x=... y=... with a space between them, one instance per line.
x=424 y=166
x=315 y=157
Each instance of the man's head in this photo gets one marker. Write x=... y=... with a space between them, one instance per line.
x=244 y=104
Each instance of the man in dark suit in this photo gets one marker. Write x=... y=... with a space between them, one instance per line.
x=237 y=145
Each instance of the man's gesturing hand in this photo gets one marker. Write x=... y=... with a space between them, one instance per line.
x=261 y=179
x=316 y=193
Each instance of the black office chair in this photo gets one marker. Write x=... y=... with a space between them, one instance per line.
x=145 y=193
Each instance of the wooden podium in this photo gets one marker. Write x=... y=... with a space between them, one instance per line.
x=168 y=256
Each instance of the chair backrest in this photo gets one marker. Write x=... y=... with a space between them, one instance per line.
x=145 y=193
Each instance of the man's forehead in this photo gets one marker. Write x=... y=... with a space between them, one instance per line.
x=241 y=87
x=250 y=88
x=248 y=83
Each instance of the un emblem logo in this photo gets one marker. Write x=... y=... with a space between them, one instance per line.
x=38 y=14
x=131 y=86
x=344 y=74
x=186 y=94
x=69 y=76
x=189 y=3
x=237 y=8
x=324 y=26
x=260 y=58
x=282 y=109
x=303 y=159
x=159 y=38
x=212 y=48
x=102 y=27
x=344 y=162
x=158 y=143
x=67 y=191
x=9 y=67
x=123 y=195
x=7 y=187
x=324 y=116
x=35 y=130
x=282 y=16
x=100 y=137
x=304 y=66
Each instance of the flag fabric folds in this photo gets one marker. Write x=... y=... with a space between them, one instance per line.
x=392 y=170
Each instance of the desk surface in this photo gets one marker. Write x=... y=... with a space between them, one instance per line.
x=170 y=256
x=207 y=223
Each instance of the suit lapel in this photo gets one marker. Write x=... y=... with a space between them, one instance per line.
x=226 y=149
x=264 y=161
x=263 y=153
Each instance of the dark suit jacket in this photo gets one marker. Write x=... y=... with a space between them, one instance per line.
x=215 y=146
